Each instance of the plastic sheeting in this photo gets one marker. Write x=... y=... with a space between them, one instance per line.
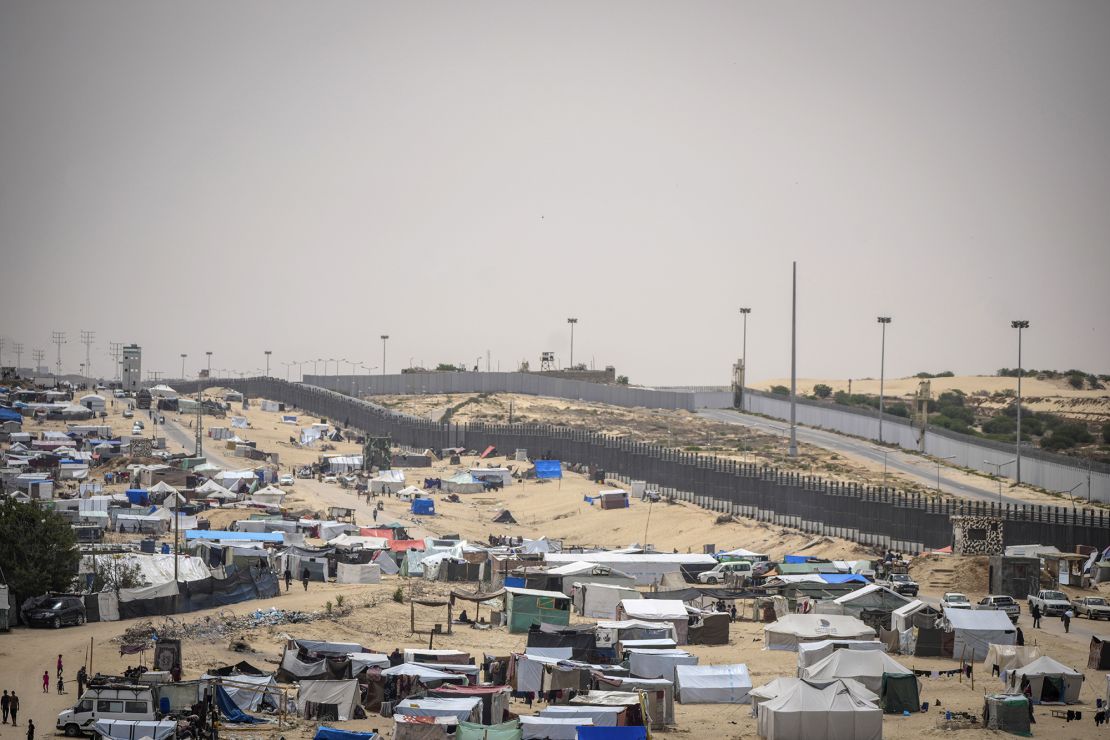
x=354 y=573
x=123 y=729
x=647 y=663
x=464 y=709
x=552 y=728
x=713 y=684
x=343 y=694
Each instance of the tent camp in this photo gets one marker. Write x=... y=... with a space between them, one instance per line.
x=338 y=700
x=652 y=663
x=600 y=600
x=1047 y=681
x=810 y=653
x=658 y=610
x=568 y=574
x=869 y=597
x=865 y=666
x=659 y=693
x=792 y=629
x=1010 y=657
x=463 y=709
x=914 y=614
x=779 y=686
x=975 y=631
x=713 y=684
x=819 y=713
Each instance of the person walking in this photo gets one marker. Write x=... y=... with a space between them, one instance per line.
x=5 y=700
x=13 y=708
x=30 y=729
x=61 y=685
x=1036 y=613
x=288 y=579
x=1066 y=619
x=304 y=578
x=46 y=682
x=59 y=665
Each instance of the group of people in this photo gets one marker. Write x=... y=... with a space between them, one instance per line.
x=1065 y=617
x=305 y=575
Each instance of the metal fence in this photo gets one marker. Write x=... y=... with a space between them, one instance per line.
x=871 y=516
x=1038 y=468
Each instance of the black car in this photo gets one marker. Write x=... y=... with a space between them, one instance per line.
x=57 y=611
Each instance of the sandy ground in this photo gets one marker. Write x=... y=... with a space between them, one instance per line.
x=552 y=509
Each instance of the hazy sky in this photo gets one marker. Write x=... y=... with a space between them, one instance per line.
x=303 y=177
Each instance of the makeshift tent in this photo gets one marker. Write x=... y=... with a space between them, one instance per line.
x=323 y=732
x=230 y=710
x=505 y=517
x=1047 y=681
x=428 y=676
x=1099 y=655
x=549 y=469
x=552 y=728
x=780 y=686
x=600 y=600
x=900 y=693
x=600 y=716
x=567 y=574
x=356 y=573
x=658 y=610
x=1008 y=657
x=1006 y=712
x=865 y=666
x=249 y=693
x=503 y=731
x=816 y=713
x=337 y=699
x=792 y=629
x=975 y=630
x=525 y=607
x=658 y=693
x=611 y=632
x=810 y=653
x=612 y=733
x=650 y=663
x=122 y=729
x=407 y=727
x=713 y=684
x=463 y=709
x=495 y=699
x=870 y=596
x=423 y=506
x=647 y=568
x=709 y=628
x=914 y=614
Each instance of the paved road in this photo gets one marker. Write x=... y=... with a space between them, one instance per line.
x=916 y=468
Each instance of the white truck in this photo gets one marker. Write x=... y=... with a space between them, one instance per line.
x=728 y=572
x=1051 y=602
x=112 y=701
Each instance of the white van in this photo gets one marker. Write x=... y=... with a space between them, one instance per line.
x=117 y=701
x=729 y=571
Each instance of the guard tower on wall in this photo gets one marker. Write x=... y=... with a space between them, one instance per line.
x=547 y=361
x=921 y=400
x=738 y=384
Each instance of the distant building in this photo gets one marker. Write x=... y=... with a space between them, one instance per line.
x=132 y=367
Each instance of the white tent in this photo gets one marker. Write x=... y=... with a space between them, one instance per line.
x=650 y=663
x=658 y=610
x=464 y=709
x=125 y=729
x=865 y=666
x=810 y=653
x=600 y=600
x=1009 y=657
x=713 y=684
x=901 y=617
x=813 y=713
x=162 y=391
x=600 y=716
x=552 y=728
x=248 y=692
x=779 y=686
x=787 y=632
x=354 y=573
x=1050 y=681
x=361 y=661
x=388 y=481
x=646 y=568
x=424 y=673
x=343 y=694
x=975 y=631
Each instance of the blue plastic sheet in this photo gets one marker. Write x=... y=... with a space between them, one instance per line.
x=331 y=733
x=611 y=733
x=231 y=711
x=549 y=469
x=843 y=578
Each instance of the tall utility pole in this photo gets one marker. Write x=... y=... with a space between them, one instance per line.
x=744 y=356
x=1019 y=325
x=793 y=452
x=384 y=338
x=183 y=356
x=17 y=347
x=115 y=350
x=2 y=342
x=267 y=353
x=209 y=363
x=87 y=338
x=572 y=322
x=58 y=338
x=37 y=356
x=883 y=320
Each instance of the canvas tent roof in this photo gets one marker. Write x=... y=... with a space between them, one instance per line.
x=463 y=708
x=1009 y=657
x=787 y=632
x=811 y=653
x=780 y=685
x=865 y=666
x=868 y=590
x=654 y=609
x=1049 y=681
x=819 y=713
x=976 y=630
x=343 y=694
x=713 y=684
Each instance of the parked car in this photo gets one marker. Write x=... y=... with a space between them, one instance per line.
x=133 y=703
x=331 y=479
x=1002 y=604
x=119 y=393
x=900 y=583
x=721 y=572
x=286 y=480
x=58 y=611
x=1051 y=602
x=955 y=600
x=1091 y=607
x=128 y=413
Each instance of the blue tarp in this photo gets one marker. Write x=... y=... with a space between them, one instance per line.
x=330 y=733
x=549 y=469
x=219 y=534
x=634 y=732
x=10 y=415
x=514 y=582
x=843 y=578
x=137 y=496
x=230 y=710
x=423 y=506
x=796 y=559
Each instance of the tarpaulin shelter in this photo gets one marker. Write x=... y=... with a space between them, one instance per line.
x=1048 y=681
x=249 y=693
x=612 y=632
x=564 y=577
x=658 y=694
x=495 y=699
x=549 y=469
x=426 y=674
x=357 y=573
x=900 y=693
x=339 y=700
x=600 y=600
x=658 y=610
x=782 y=685
x=646 y=568
x=792 y=629
x=463 y=709
x=323 y=732
x=505 y=517
x=539 y=727
x=581 y=639
x=525 y=607
x=865 y=666
x=503 y=731
x=612 y=733
x=423 y=506
x=819 y=713
x=871 y=596
x=123 y=729
x=810 y=653
x=709 y=628
x=974 y=631
x=1098 y=658
x=914 y=614
x=599 y=716
x=1009 y=657
x=1006 y=712
x=230 y=711
x=649 y=663
x=713 y=684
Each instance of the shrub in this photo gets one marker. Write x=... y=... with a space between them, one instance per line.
x=897 y=409
x=1001 y=424
x=327 y=607
x=622 y=380
x=339 y=600
x=399 y=595
x=780 y=390
x=822 y=391
x=1076 y=381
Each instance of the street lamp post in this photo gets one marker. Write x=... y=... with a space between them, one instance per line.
x=209 y=363
x=1019 y=325
x=939 y=461
x=385 y=337
x=267 y=353
x=744 y=356
x=998 y=474
x=572 y=322
x=884 y=320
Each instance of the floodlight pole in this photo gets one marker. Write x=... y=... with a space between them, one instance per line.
x=793 y=452
x=267 y=353
x=572 y=322
x=385 y=337
x=883 y=320
x=744 y=356
x=1019 y=325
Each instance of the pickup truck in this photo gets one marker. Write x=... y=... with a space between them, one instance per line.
x=1002 y=604
x=954 y=600
x=900 y=583
x=1091 y=607
x=1052 y=603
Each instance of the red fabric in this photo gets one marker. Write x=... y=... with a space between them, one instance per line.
x=372 y=532
x=403 y=545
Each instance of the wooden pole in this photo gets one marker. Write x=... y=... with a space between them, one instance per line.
x=90 y=658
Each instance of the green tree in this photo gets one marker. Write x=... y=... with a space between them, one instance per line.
x=780 y=390
x=112 y=572
x=38 y=550
x=446 y=367
x=822 y=391
x=622 y=380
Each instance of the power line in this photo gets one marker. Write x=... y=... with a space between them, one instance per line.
x=87 y=338
x=18 y=348
x=37 y=356
x=115 y=349
x=58 y=338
